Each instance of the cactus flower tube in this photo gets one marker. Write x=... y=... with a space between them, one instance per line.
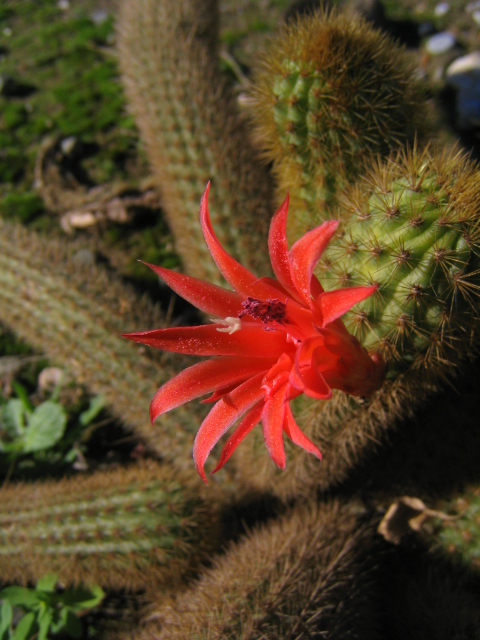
x=271 y=341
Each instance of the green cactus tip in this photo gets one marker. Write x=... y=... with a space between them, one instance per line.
x=414 y=230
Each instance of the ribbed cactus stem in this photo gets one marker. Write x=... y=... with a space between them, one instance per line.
x=125 y=528
x=75 y=315
x=457 y=533
x=413 y=230
x=309 y=575
x=192 y=130
x=330 y=93
x=424 y=210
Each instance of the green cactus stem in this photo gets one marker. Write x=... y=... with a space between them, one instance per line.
x=330 y=93
x=457 y=534
x=412 y=229
x=75 y=313
x=192 y=130
x=309 y=575
x=123 y=529
x=434 y=205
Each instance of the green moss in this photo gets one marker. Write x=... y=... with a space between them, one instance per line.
x=23 y=207
x=12 y=164
x=64 y=57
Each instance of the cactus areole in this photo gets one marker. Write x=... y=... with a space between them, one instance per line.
x=271 y=341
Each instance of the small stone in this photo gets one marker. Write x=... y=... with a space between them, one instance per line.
x=68 y=145
x=441 y=9
x=84 y=258
x=77 y=220
x=63 y=5
x=7 y=32
x=476 y=17
x=49 y=378
x=99 y=17
x=440 y=43
x=463 y=75
x=116 y=211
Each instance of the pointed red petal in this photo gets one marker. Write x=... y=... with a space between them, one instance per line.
x=305 y=254
x=297 y=436
x=315 y=287
x=221 y=418
x=306 y=375
x=334 y=304
x=244 y=282
x=272 y=420
x=278 y=248
x=205 y=296
x=205 y=340
x=241 y=432
x=218 y=394
x=203 y=378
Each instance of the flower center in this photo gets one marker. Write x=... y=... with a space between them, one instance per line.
x=268 y=311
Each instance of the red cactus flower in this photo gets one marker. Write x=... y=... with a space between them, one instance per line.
x=271 y=340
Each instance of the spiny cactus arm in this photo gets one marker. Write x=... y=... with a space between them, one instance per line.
x=443 y=320
x=447 y=526
x=309 y=574
x=413 y=228
x=329 y=94
x=192 y=130
x=130 y=528
x=75 y=315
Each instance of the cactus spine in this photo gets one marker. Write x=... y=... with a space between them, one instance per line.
x=331 y=92
x=310 y=574
x=454 y=528
x=189 y=122
x=75 y=316
x=126 y=528
x=412 y=229
x=443 y=249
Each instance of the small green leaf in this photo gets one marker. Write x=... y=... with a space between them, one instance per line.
x=20 y=597
x=12 y=418
x=96 y=405
x=44 y=621
x=6 y=616
x=48 y=582
x=26 y=627
x=22 y=395
x=45 y=427
x=73 y=626
x=82 y=598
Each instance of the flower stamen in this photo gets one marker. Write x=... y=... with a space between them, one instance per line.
x=231 y=325
x=267 y=311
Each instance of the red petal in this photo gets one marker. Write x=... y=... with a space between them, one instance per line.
x=305 y=254
x=241 y=432
x=205 y=340
x=315 y=287
x=244 y=282
x=306 y=374
x=272 y=419
x=219 y=393
x=334 y=304
x=203 y=295
x=221 y=418
x=278 y=248
x=202 y=378
x=297 y=436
